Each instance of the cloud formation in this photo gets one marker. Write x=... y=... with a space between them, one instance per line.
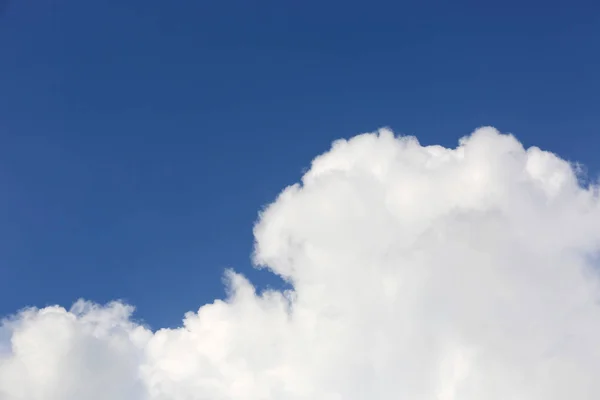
x=420 y=273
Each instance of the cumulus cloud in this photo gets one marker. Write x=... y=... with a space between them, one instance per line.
x=417 y=272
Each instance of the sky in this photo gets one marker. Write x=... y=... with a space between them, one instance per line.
x=140 y=139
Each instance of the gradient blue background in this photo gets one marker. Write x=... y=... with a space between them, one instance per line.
x=139 y=139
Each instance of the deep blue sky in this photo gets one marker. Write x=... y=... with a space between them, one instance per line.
x=138 y=139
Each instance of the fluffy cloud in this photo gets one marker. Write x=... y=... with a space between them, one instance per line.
x=420 y=273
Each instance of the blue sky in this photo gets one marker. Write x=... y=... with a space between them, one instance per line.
x=139 y=139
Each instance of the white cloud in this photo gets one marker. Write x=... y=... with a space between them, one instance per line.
x=420 y=273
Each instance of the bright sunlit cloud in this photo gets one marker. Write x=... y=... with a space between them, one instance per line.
x=420 y=273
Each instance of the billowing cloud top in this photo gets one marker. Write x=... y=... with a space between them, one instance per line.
x=419 y=273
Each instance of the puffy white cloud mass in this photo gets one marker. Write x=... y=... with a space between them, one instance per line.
x=418 y=272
